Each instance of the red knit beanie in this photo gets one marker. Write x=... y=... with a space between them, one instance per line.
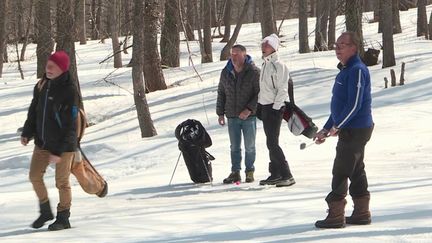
x=60 y=58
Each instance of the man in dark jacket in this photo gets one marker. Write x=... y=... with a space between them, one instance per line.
x=51 y=121
x=350 y=120
x=237 y=100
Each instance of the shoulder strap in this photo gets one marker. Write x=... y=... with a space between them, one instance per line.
x=81 y=123
x=291 y=90
x=41 y=83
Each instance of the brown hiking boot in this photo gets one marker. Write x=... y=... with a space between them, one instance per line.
x=249 y=176
x=361 y=214
x=335 y=217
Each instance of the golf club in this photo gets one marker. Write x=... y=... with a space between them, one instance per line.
x=304 y=145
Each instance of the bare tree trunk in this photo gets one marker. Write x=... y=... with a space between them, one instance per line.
x=368 y=5
x=214 y=18
x=268 y=26
x=189 y=33
x=225 y=53
x=256 y=12
x=99 y=19
x=93 y=20
x=208 y=55
x=251 y=12
x=388 y=47
x=66 y=37
x=422 y=29
x=380 y=13
x=45 y=43
x=333 y=11
x=321 y=25
x=227 y=21
x=170 y=38
x=19 y=19
x=5 y=55
x=191 y=13
x=126 y=27
x=313 y=8
x=152 y=63
x=430 y=27
x=144 y=118
x=199 y=26
x=353 y=16
x=396 y=19
x=112 y=12
x=27 y=31
x=376 y=11
x=3 y=11
x=303 y=27
x=81 y=16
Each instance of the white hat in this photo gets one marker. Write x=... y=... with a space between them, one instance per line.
x=272 y=40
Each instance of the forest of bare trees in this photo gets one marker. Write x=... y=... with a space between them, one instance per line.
x=59 y=25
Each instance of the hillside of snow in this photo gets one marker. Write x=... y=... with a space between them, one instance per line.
x=142 y=207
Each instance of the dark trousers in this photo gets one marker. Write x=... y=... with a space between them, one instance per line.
x=349 y=164
x=272 y=120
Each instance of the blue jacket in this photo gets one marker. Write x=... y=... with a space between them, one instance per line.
x=351 y=101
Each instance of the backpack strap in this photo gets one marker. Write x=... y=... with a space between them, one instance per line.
x=40 y=84
x=81 y=124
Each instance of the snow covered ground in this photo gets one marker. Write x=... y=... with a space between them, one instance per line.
x=142 y=207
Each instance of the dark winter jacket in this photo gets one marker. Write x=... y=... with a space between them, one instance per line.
x=51 y=118
x=351 y=100
x=237 y=92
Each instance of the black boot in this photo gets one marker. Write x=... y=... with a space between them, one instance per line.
x=45 y=215
x=232 y=178
x=62 y=221
x=287 y=178
x=274 y=175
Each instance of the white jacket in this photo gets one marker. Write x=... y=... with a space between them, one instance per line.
x=273 y=82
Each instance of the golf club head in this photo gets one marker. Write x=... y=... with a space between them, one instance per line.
x=302 y=146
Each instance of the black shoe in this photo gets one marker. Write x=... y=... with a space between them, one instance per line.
x=232 y=178
x=249 y=176
x=62 y=221
x=285 y=182
x=271 y=180
x=45 y=215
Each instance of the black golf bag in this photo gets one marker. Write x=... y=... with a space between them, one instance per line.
x=193 y=139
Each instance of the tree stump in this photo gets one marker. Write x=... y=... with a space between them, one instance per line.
x=393 y=77
x=402 y=76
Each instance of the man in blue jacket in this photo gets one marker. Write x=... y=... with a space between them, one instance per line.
x=350 y=120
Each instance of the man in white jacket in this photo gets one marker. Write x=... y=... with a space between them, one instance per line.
x=271 y=105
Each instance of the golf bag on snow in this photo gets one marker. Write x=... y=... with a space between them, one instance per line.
x=193 y=139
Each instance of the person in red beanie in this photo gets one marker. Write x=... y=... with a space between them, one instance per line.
x=51 y=123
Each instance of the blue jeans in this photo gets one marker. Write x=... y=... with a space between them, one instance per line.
x=235 y=128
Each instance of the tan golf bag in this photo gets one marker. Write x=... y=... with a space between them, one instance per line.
x=89 y=179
